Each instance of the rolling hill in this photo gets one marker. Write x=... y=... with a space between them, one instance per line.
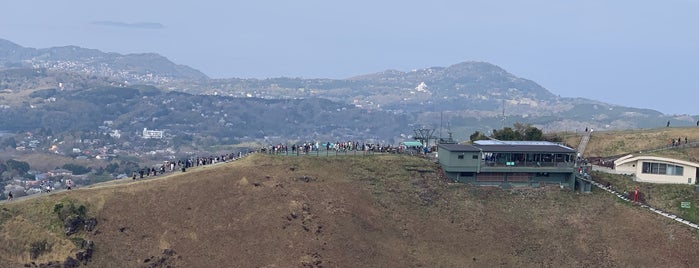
x=360 y=211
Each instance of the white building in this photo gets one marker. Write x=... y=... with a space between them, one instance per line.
x=656 y=169
x=152 y=134
x=115 y=134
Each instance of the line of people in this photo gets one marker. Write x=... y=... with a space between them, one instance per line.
x=183 y=165
x=678 y=141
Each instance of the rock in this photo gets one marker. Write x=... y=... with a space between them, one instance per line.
x=168 y=252
x=50 y=265
x=71 y=263
x=80 y=255
x=72 y=224
x=85 y=255
x=90 y=224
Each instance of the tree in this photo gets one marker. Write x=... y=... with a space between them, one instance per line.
x=112 y=167
x=476 y=136
x=8 y=142
x=507 y=134
x=520 y=132
x=533 y=134
x=77 y=169
x=20 y=166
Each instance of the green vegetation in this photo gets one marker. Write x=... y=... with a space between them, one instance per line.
x=519 y=132
x=68 y=208
x=77 y=169
x=667 y=197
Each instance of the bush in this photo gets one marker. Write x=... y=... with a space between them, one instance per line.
x=37 y=248
x=67 y=208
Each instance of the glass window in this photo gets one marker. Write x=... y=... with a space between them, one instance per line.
x=661 y=168
x=679 y=171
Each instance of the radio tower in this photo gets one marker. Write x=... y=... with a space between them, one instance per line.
x=424 y=135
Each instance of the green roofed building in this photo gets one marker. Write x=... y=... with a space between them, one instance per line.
x=512 y=163
x=411 y=143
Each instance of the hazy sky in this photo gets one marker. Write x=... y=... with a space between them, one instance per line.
x=639 y=53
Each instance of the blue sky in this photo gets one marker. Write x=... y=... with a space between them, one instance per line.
x=638 y=53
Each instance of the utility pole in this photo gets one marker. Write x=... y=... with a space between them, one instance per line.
x=503 y=114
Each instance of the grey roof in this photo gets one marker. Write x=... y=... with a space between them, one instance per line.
x=499 y=142
x=537 y=147
x=453 y=147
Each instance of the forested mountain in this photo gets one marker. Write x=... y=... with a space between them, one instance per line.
x=186 y=116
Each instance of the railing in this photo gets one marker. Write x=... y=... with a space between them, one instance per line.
x=532 y=164
x=341 y=152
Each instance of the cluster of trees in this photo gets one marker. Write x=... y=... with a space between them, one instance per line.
x=519 y=132
x=12 y=168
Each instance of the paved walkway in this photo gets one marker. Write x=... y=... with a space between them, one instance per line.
x=114 y=182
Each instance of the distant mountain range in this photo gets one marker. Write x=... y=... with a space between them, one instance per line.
x=137 y=68
x=464 y=97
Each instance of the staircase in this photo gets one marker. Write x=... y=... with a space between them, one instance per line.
x=583 y=143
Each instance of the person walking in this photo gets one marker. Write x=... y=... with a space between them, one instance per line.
x=9 y=196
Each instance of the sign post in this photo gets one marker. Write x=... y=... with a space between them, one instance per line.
x=686 y=204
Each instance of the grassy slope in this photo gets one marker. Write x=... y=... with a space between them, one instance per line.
x=378 y=211
x=666 y=197
x=611 y=143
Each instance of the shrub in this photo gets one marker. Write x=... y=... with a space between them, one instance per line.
x=37 y=248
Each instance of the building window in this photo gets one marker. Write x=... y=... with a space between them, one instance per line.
x=474 y=156
x=662 y=169
x=461 y=156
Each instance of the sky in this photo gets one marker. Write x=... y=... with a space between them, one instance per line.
x=637 y=53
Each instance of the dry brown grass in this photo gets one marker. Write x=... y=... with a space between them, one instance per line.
x=377 y=211
x=611 y=143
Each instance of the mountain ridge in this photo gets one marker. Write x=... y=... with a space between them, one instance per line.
x=135 y=66
x=470 y=95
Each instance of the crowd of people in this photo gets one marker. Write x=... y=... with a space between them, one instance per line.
x=168 y=166
x=337 y=147
x=184 y=164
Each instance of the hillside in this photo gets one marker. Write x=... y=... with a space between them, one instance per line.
x=370 y=211
x=467 y=96
x=186 y=117
x=613 y=143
